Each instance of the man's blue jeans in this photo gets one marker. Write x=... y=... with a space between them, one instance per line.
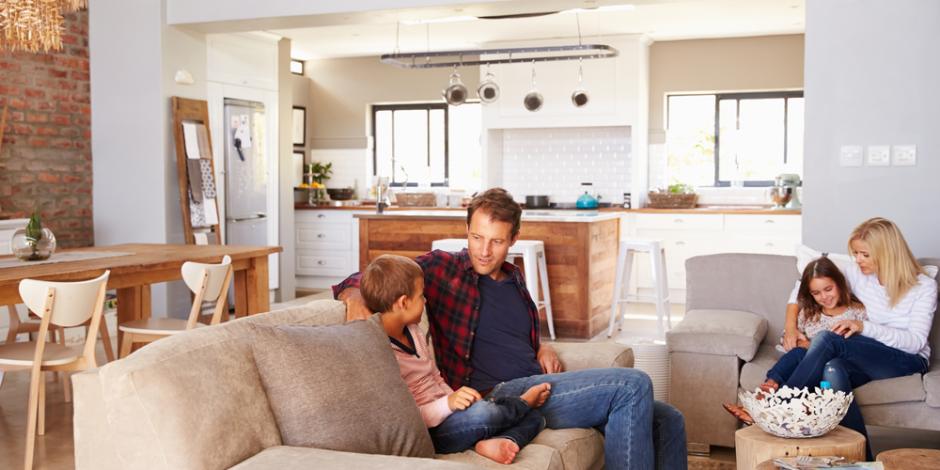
x=850 y=363
x=639 y=433
x=785 y=366
x=508 y=417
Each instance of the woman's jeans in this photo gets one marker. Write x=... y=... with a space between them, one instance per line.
x=639 y=432
x=508 y=417
x=785 y=366
x=851 y=363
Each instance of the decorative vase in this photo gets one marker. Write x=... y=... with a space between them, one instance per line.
x=32 y=249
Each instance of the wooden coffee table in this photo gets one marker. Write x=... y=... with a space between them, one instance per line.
x=754 y=446
x=910 y=459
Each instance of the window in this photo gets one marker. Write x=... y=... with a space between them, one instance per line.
x=413 y=144
x=296 y=67
x=734 y=138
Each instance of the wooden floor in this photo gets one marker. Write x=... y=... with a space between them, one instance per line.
x=54 y=450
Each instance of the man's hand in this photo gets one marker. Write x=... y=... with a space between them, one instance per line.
x=792 y=338
x=548 y=359
x=355 y=305
x=462 y=398
x=847 y=328
x=802 y=343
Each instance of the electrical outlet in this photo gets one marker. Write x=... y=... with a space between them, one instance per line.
x=850 y=155
x=904 y=155
x=878 y=155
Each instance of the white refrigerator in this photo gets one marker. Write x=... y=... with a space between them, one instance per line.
x=246 y=174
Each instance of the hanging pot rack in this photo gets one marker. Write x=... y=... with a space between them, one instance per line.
x=426 y=60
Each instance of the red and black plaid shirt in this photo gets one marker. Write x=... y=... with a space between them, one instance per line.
x=453 y=304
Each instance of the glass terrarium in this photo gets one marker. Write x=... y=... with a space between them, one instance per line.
x=29 y=248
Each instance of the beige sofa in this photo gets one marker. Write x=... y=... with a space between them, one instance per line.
x=735 y=309
x=195 y=401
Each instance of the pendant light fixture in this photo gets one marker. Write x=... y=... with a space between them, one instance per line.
x=34 y=25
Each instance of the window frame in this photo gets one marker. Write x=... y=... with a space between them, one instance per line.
x=303 y=66
x=427 y=107
x=738 y=96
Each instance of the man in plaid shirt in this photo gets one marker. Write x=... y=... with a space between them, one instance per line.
x=485 y=329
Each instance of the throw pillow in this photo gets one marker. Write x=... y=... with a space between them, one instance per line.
x=338 y=387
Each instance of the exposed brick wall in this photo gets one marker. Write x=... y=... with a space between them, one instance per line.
x=46 y=151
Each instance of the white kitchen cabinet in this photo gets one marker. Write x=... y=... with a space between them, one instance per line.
x=687 y=235
x=616 y=87
x=327 y=246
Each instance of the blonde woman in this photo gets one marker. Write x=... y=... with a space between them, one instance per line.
x=900 y=299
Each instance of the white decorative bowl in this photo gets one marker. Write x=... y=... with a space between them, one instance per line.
x=796 y=413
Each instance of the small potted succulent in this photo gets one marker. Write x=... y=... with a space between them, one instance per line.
x=34 y=242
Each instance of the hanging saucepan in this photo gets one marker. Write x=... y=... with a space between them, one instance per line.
x=533 y=99
x=488 y=91
x=456 y=93
x=579 y=97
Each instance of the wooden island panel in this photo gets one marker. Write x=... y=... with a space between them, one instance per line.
x=581 y=259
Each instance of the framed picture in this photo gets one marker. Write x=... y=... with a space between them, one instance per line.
x=298 y=165
x=300 y=125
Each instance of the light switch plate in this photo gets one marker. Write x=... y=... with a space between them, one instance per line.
x=878 y=155
x=850 y=155
x=904 y=155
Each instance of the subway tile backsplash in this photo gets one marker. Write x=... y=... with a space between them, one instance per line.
x=556 y=161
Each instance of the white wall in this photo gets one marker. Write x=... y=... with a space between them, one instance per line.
x=872 y=74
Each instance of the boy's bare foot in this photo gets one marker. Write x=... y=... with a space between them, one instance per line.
x=739 y=412
x=769 y=385
x=499 y=450
x=536 y=395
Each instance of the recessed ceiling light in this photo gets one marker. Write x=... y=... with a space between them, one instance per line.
x=446 y=19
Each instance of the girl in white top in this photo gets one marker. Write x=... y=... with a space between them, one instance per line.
x=900 y=300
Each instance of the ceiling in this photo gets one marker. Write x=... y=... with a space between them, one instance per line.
x=374 y=33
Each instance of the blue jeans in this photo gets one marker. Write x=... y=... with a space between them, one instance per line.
x=785 y=366
x=507 y=417
x=850 y=363
x=639 y=432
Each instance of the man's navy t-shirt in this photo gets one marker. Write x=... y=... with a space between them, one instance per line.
x=502 y=348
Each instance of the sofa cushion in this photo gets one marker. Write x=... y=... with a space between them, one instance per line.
x=932 y=388
x=338 y=387
x=896 y=390
x=579 y=448
x=719 y=332
x=531 y=457
x=304 y=458
x=753 y=373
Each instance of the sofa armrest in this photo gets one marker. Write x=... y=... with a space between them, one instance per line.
x=718 y=332
x=578 y=356
x=94 y=449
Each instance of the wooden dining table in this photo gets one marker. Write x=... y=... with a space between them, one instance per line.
x=144 y=264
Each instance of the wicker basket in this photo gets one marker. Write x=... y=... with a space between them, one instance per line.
x=672 y=200
x=416 y=199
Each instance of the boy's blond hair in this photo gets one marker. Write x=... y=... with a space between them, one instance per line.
x=387 y=278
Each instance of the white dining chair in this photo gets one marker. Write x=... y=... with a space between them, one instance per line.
x=60 y=304
x=209 y=282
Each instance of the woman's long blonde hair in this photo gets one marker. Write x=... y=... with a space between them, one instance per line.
x=895 y=265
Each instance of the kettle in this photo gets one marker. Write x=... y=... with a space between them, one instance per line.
x=587 y=200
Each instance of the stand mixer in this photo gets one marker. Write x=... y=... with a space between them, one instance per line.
x=783 y=192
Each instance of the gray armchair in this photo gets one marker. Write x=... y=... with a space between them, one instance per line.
x=735 y=308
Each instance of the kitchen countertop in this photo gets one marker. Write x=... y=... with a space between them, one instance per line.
x=527 y=215
x=729 y=209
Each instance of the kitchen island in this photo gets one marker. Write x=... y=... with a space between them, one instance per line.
x=580 y=251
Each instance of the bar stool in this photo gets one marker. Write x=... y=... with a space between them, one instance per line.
x=532 y=253
x=622 y=283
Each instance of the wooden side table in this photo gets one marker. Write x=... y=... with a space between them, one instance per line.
x=754 y=446
x=910 y=459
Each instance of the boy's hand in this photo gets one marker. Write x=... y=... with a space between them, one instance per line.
x=548 y=359
x=462 y=398
x=355 y=305
x=802 y=343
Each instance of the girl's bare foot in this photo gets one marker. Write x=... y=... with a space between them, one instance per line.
x=769 y=385
x=499 y=450
x=536 y=395
x=739 y=412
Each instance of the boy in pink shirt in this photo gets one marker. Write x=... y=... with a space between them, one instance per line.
x=457 y=419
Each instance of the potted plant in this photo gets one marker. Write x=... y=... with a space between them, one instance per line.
x=34 y=242
x=676 y=196
x=318 y=173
